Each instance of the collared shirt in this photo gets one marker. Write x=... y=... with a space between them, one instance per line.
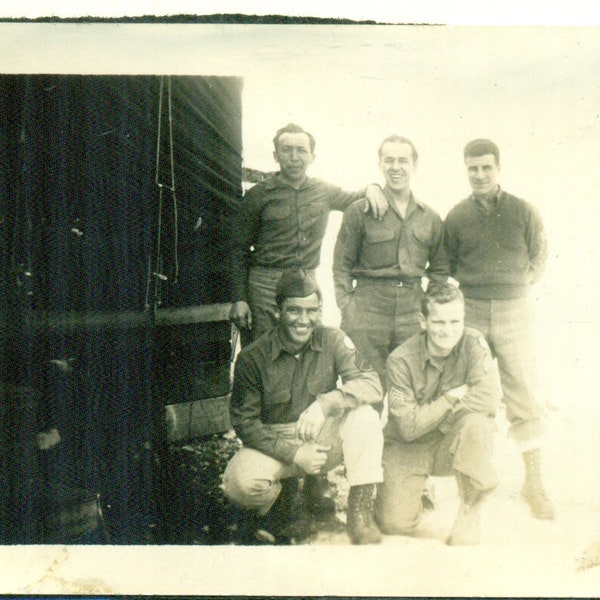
x=279 y=226
x=495 y=252
x=395 y=247
x=273 y=385
x=418 y=381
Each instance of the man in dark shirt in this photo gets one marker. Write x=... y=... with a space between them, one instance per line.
x=387 y=259
x=443 y=392
x=497 y=248
x=295 y=419
x=281 y=224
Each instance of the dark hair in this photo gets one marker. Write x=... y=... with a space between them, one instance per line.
x=480 y=147
x=440 y=293
x=398 y=139
x=293 y=128
x=295 y=283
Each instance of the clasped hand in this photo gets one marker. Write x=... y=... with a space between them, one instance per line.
x=311 y=457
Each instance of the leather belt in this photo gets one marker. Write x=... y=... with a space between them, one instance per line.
x=393 y=282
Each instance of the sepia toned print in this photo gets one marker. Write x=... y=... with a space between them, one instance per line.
x=531 y=90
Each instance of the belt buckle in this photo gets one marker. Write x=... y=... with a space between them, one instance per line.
x=399 y=284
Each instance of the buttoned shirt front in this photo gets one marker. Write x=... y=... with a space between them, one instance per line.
x=274 y=385
x=279 y=226
x=417 y=382
x=395 y=247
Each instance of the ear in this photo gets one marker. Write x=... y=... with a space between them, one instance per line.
x=275 y=157
x=422 y=321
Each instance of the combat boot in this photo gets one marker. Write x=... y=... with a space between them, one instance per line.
x=533 y=491
x=247 y=523
x=285 y=523
x=315 y=499
x=466 y=530
x=360 y=523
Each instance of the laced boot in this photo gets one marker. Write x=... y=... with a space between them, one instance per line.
x=361 y=525
x=315 y=499
x=466 y=530
x=533 y=491
x=247 y=525
x=284 y=524
x=271 y=527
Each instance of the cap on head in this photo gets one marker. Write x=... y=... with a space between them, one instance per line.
x=295 y=283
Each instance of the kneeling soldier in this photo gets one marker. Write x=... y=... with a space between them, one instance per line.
x=295 y=420
x=443 y=392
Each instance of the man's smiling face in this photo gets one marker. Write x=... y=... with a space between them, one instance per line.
x=299 y=317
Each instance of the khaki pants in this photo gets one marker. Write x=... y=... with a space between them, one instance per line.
x=466 y=448
x=508 y=328
x=252 y=479
x=380 y=317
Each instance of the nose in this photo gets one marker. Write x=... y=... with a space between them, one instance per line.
x=303 y=317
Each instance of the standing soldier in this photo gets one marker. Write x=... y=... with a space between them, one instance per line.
x=387 y=259
x=281 y=224
x=497 y=249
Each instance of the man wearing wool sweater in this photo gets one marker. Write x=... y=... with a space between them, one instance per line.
x=497 y=248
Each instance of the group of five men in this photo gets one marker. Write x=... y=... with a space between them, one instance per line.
x=307 y=397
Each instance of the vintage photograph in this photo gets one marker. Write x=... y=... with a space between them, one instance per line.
x=299 y=308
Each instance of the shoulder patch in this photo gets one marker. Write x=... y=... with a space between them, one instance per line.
x=348 y=343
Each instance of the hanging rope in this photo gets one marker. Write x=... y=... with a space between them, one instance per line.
x=157 y=273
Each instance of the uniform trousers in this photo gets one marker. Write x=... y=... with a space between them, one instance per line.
x=381 y=316
x=466 y=448
x=507 y=326
x=252 y=480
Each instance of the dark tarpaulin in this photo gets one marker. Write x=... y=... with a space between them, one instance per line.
x=91 y=246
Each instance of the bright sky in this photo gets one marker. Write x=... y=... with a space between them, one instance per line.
x=534 y=90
